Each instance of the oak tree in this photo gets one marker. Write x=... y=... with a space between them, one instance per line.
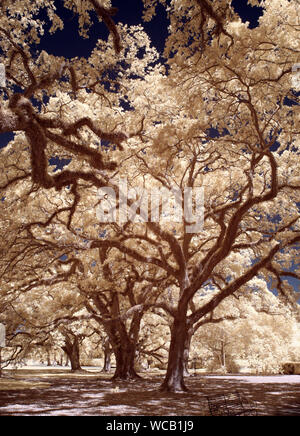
x=219 y=112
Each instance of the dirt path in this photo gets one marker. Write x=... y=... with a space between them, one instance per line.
x=82 y=395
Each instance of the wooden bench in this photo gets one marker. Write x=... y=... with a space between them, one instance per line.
x=230 y=404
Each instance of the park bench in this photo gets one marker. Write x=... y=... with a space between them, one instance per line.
x=230 y=404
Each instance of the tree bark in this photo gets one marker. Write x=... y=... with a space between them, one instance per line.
x=71 y=348
x=174 y=380
x=107 y=356
x=107 y=361
x=223 y=354
x=124 y=345
x=186 y=355
x=125 y=359
x=48 y=358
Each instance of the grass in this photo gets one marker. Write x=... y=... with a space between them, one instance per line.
x=9 y=384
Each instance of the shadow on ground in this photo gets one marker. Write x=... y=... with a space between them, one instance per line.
x=97 y=395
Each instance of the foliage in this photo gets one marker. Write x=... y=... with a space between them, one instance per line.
x=218 y=112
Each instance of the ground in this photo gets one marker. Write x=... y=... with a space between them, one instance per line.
x=59 y=392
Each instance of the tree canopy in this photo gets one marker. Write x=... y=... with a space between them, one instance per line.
x=216 y=111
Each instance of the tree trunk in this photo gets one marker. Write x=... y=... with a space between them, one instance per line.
x=107 y=362
x=74 y=358
x=174 y=380
x=223 y=355
x=71 y=348
x=125 y=359
x=124 y=346
x=107 y=357
x=48 y=358
x=186 y=353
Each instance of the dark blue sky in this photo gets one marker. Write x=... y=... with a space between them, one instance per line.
x=69 y=44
